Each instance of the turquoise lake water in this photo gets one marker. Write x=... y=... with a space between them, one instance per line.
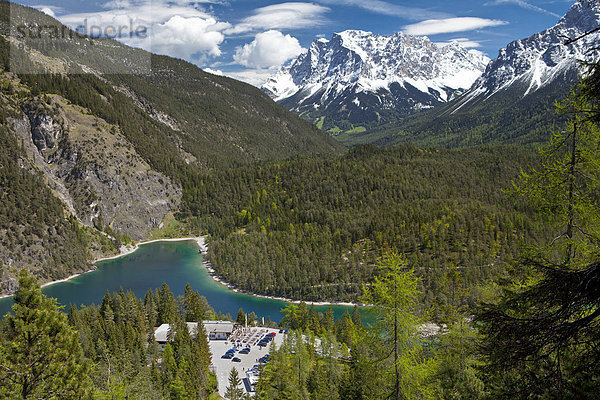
x=175 y=263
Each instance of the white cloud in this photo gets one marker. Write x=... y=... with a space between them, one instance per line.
x=182 y=37
x=213 y=71
x=385 y=8
x=255 y=77
x=291 y=15
x=450 y=25
x=112 y=4
x=268 y=49
x=48 y=10
x=522 y=4
x=178 y=31
x=465 y=42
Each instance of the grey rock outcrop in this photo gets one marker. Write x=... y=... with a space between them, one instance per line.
x=94 y=170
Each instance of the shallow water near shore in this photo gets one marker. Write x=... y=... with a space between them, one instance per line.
x=175 y=263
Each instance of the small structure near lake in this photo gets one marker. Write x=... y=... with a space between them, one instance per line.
x=215 y=330
x=218 y=330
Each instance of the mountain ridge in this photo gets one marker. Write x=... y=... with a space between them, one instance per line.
x=513 y=100
x=358 y=78
x=541 y=58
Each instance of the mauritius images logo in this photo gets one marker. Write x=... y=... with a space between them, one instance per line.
x=132 y=29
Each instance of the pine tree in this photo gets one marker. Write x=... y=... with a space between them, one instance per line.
x=192 y=305
x=233 y=391
x=356 y=317
x=150 y=308
x=241 y=317
x=290 y=316
x=252 y=318
x=198 y=375
x=166 y=304
x=40 y=356
x=169 y=368
x=347 y=330
x=328 y=322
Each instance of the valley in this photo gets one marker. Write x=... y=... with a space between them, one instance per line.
x=454 y=194
x=176 y=263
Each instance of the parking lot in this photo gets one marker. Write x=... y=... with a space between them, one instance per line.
x=241 y=338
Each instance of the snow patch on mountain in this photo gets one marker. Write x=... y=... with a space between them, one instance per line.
x=355 y=62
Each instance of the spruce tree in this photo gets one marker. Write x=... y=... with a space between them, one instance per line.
x=356 y=316
x=241 y=317
x=40 y=356
x=233 y=390
x=166 y=304
x=192 y=305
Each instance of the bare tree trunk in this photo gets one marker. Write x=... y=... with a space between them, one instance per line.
x=570 y=211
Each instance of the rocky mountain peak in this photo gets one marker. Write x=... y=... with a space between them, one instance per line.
x=359 y=73
x=542 y=58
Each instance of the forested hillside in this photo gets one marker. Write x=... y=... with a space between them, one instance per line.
x=32 y=222
x=312 y=228
x=507 y=117
x=164 y=105
x=117 y=144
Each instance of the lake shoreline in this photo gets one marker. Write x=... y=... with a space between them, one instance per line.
x=233 y=288
x=125 y=250
x=129 y=249
x=201 y=242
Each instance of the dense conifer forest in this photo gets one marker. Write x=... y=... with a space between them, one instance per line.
x=106 y=351
x=313 y=228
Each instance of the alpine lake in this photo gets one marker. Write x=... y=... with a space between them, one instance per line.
x=173 y=262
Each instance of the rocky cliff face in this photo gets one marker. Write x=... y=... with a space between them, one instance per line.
x=113 y=129
x=91 y=166
x=360 y=78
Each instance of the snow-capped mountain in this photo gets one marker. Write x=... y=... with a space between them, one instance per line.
x=358 y=78
x=513 y=100
x=542 y=59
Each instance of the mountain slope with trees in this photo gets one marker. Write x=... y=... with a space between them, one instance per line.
x=113 y=145
x=312 y=228
x=211 y=120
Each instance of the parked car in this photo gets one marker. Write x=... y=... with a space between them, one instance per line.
x=227 y=355
x=245 y=351
x=236 y=359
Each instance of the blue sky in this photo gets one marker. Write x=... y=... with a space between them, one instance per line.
x=249 y=39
